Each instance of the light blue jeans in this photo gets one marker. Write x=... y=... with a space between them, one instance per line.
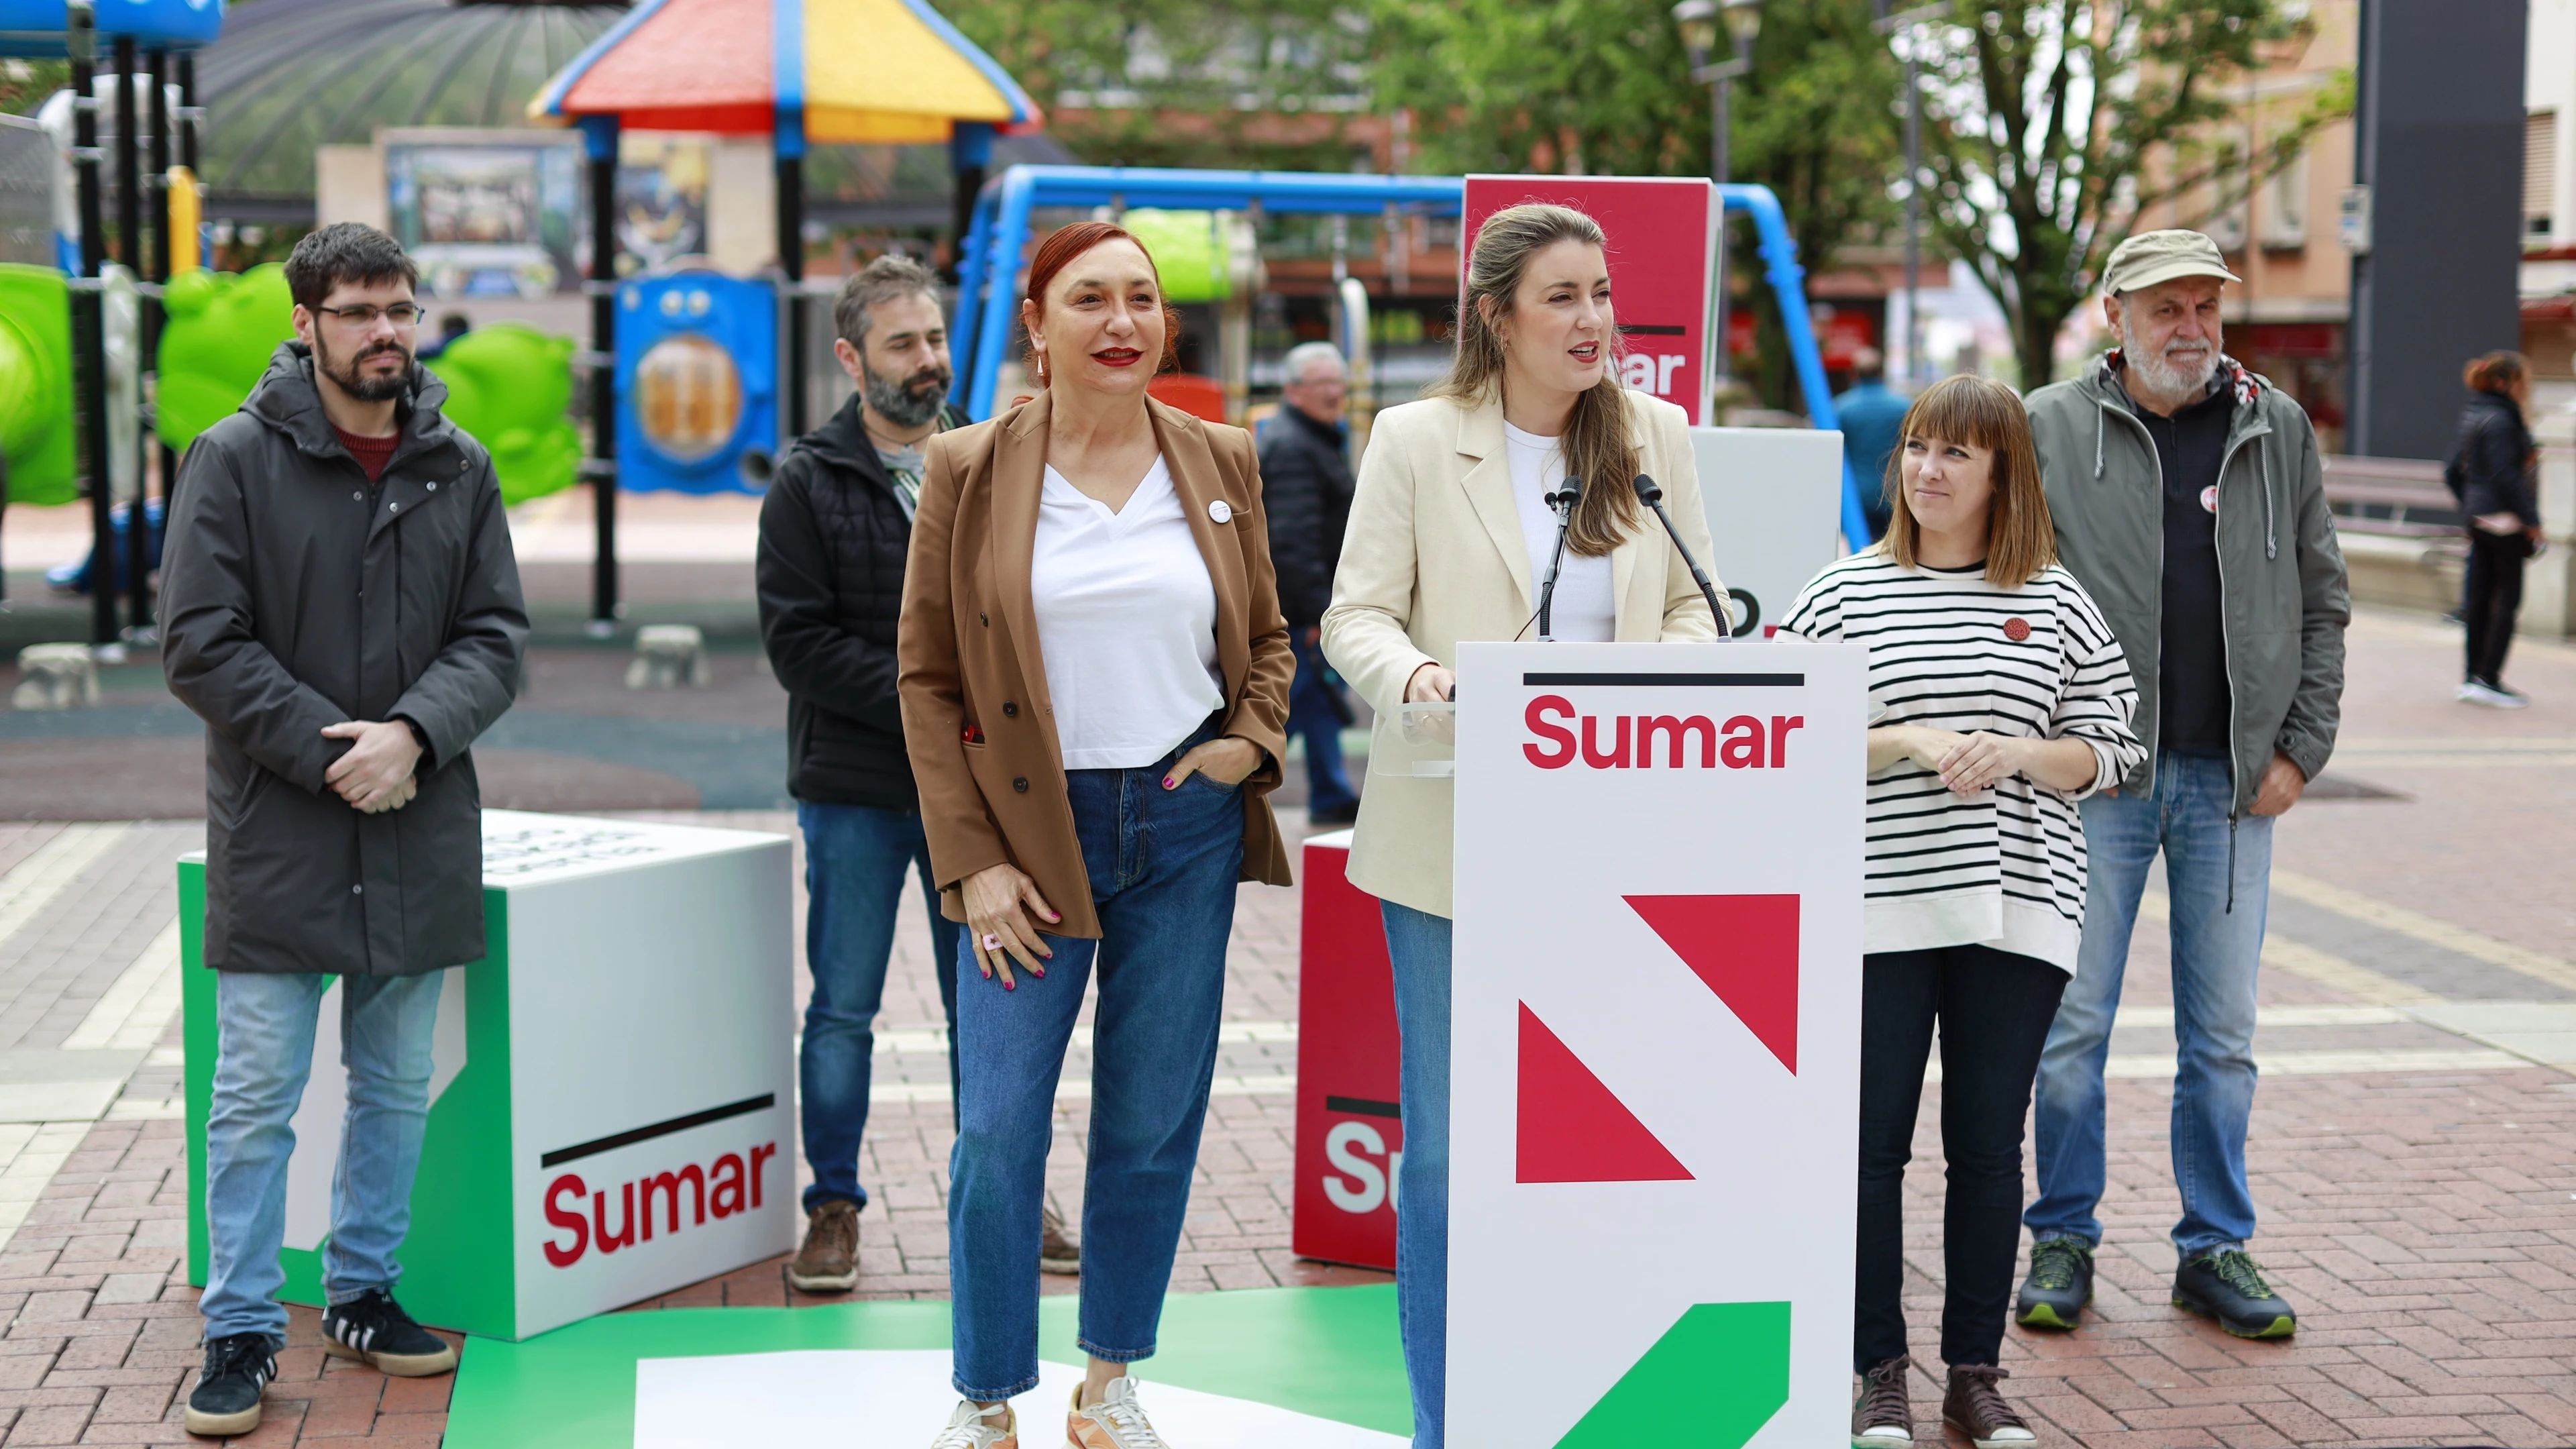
x=264 y=1024
x=1163 y=865
x=2217 y=935
x=1417 y=945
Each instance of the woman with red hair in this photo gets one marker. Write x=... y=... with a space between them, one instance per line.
x=1095 y=693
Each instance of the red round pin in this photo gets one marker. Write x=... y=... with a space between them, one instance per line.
x=2016 y=629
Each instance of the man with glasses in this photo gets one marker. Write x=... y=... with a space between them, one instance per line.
x=341 y=606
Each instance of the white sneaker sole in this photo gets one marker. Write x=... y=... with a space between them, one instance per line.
x=398 y=1365
x=823 y=1282
x=218 y=1426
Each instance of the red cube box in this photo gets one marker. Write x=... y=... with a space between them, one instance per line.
x=1350 y=1129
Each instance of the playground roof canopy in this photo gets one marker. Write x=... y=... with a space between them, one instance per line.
x=852 y=71
x=35 y=28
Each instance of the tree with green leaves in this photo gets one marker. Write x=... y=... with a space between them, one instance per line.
x=2050 y=125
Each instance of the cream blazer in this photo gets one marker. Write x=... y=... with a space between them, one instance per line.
x=1434 y=555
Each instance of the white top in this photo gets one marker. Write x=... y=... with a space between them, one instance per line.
x=1126 y=622
x=1586 y=610
x=2005 y=867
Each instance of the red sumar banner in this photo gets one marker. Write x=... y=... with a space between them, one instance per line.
x=1663 y=234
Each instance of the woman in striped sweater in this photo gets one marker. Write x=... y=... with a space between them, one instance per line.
x=2006 y=699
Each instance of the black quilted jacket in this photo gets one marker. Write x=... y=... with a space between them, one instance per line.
x=832 y=544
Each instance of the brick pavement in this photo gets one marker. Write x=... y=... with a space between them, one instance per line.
x=2425 y=1222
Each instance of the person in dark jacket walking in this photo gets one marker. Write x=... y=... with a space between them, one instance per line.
x=341 y=606
x=2491 y=474
x=834 y=531
x=1306 y=485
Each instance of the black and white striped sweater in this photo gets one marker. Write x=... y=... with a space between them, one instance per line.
x=1947 y=649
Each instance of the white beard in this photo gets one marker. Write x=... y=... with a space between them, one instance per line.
x=2164 y=378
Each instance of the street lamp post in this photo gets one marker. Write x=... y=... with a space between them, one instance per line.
x=1698 y=22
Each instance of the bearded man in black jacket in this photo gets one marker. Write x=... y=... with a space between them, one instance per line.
x=834 y=531
x=1306 y=487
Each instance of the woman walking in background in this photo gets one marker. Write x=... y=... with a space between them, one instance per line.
x=1095 y=692
x=2006 y=700
x=1450 y=533
x=2492 y=472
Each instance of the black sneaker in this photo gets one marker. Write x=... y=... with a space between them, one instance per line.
x=373 y=1329
x=226 y=1398
x=2224 y=1284
x=2059 y=1285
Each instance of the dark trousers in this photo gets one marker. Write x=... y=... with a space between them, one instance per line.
x=1316 y=716
x=2494 y=596
x=1993 y=1009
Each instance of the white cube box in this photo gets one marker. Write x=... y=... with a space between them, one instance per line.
x=613 y=1110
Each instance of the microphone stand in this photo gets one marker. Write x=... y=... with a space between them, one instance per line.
x=1562 y=504
x=1651 y=493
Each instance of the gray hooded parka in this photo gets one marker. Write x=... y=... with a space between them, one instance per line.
x=295 y=595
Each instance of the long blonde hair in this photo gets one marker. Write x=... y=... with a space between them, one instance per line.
x=1597 y=445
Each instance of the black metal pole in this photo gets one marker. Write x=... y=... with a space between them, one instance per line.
x=188 y=111
x=151 y=264
x=601 y=134
x=88 y=333
x=791 y=268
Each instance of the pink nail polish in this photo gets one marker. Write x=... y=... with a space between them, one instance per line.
x=1010 y=986
x=1167 y=782
x=1040 y=972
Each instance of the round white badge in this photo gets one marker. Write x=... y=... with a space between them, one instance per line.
x=2209 y=499
x=1220 y=511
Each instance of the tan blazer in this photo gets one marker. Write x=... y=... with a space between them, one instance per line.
x=1435 y=555
x=968 y=651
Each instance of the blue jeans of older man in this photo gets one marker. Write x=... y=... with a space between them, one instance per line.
x=1163 y=865
x=856 y=857
x=265 y=1025
x=1314 y=717
x=2217 y=880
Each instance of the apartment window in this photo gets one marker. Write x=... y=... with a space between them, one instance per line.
x=2539 y=175
x=2284 y=213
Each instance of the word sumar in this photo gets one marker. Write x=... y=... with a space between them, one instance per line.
x=1744 y=742
x=725 y=1187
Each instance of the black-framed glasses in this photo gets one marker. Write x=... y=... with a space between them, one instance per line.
x=364 y=315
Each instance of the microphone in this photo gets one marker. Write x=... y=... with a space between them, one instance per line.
x=1651 y=494
x=1562 y=504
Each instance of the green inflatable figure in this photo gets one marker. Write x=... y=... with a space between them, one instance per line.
x=509 y=386
x=36 y=414
x=223 y=327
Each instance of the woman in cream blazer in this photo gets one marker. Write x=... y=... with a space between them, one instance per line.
x=1437 y=553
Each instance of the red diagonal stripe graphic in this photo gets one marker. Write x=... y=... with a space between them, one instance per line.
x=1574 y=1129
x=1746 y=949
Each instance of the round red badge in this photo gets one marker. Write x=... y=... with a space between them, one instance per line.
x=2016 y=629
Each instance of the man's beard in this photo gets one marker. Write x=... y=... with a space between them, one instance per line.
x=2165 y=378
x=913 y=401
x=359 y=385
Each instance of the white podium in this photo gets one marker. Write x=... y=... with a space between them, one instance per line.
x=613 y=1107
x=1655 y=1080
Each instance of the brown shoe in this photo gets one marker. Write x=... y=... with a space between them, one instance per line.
x=1883 y=1417
x=1979 y=1409
x=829 y=1261
x=1056 y=1252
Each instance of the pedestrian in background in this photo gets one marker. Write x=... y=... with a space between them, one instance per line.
x=2493 y=471
x=2007 y=701
x=1451 y=530
x=1872 y=416
x=2189 y=501
x=835 y=526
x=1306 y=487
x=1095 y=697
x=342 y=608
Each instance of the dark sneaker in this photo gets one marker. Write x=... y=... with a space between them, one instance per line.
x=1980 y=1410
x=2224 y=1284
x=1883 y=1417
x=829 y=1261
x=226 y=1398
x=1056 y=1252
x=373 y=1329
x=2059 y=1285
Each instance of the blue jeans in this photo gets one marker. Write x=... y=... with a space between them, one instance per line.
x=1163 y=865
x=264 y=1027
x=1312 y=716
x=2216 y=946
x=1417 y=945
x=855 y=859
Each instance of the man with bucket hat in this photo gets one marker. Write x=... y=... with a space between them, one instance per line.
x=2190 y=503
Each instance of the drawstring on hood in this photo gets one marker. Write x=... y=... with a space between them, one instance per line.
x=2271 y=526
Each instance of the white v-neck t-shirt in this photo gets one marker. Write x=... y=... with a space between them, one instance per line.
x=1586 y=610
x=1127 y=623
